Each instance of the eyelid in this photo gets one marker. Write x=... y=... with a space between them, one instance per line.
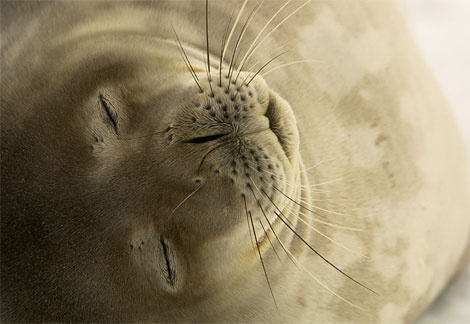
x=110 y=111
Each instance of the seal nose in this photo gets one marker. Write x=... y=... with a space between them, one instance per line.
x=241 y=134
x=227 y=107
x=234 y=109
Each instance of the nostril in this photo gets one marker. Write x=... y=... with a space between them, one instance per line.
x=204 y=139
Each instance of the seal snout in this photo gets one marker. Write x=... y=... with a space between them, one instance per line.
x=233 y=110
x=243 y=133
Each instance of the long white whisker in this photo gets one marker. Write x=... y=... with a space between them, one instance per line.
x=274 y=29
x=253 y=66
x=312 y=206
x=248 y=222
x=245 y=27
x=310 y=246
x=326 y=182
x=318 y=280
x=183 y=201
x=327 y=237
x=324 y=222
x=313 y=218
x=305 y=204
x=233 y=28
x=264 y=214
x=251 y=69
x=287 y=64
x=314 y=166
x=311 y=187
x=262 y=263
x=244 y=59
x=269 y=239
x=266 y=64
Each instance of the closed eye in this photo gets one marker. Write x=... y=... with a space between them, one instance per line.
x=110 y=112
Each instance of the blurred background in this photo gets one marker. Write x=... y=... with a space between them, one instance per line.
x=442 y=30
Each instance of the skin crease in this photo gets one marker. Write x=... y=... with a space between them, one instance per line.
x=112 y=210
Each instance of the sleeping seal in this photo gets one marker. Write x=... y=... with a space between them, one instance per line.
x=168 y=162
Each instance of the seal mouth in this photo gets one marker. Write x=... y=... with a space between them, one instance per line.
x=205 y=139
x=283 y=124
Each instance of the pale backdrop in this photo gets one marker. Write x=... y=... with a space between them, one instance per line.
x=442 y=30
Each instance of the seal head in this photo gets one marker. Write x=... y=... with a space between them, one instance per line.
x=131 y=177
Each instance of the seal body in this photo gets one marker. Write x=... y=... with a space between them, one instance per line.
x=139 y=185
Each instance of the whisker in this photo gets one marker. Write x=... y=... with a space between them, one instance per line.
x=326 y=182
x=244 y=59
x=246 y=78
x=295 y=261
x=325 y=199
x=251 y=68
x=274 y=29
x=207 y=39
x=183 y=201
x=287 y=182
x=311 y=248
x=305 y=203
x=266 y=64
x=264 y=214
x=312 y=206
x=320 y=282
x=206 y=154
x=250 y=72
x=266 y=171
x=247 y=221
x=314 y=166
x=314 y=213
x=186 y=60
x=289 y=255
x=250 y=18
x=326 y=236
x=318 y=190
x=287 y=64
x=271 y=243
x=233 y=28
x=262 y=262
x=327 y=223
x=247 y=22
x=193 y=74
x=257 y=63
x=209 y=77
x=224 y=40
